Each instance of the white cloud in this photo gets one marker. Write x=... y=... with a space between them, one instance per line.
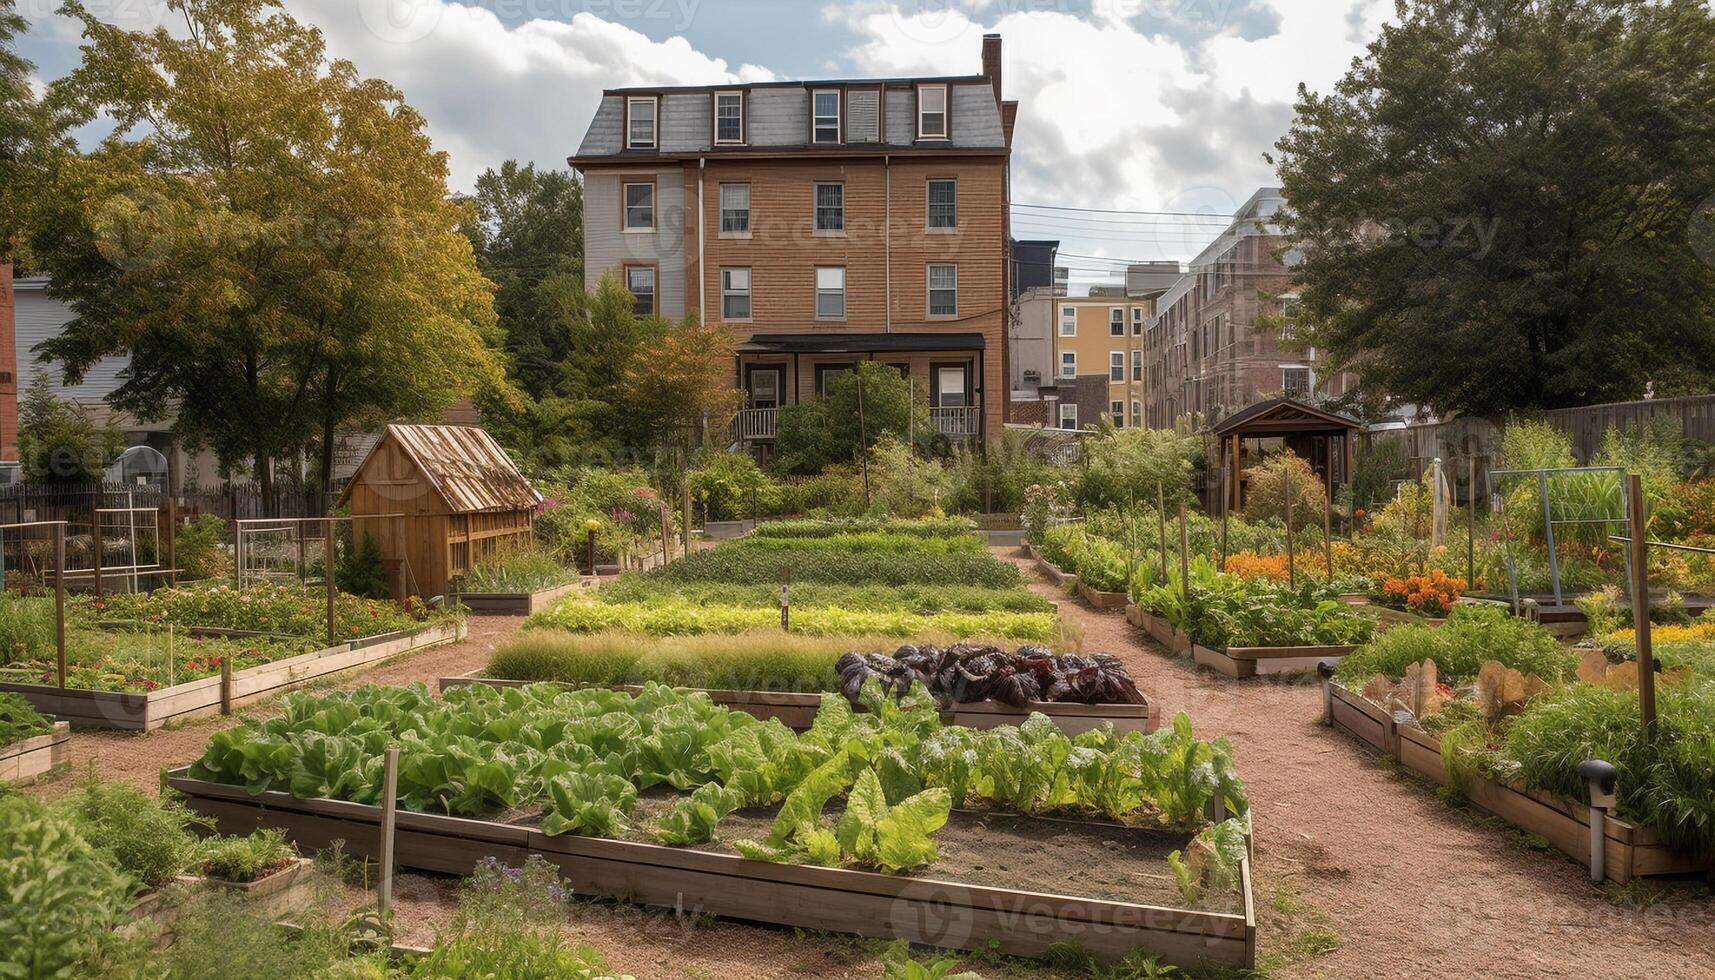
x=492 y=91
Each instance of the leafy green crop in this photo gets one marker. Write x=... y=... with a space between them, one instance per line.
x=929 y=527
x=19 y=719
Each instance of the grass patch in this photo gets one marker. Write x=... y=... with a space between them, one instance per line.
x=580 y=614
x=735 y=663
x=1294 y=931
x=922 y=599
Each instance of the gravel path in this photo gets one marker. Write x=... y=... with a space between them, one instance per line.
x=1350 y=853
x=1411 y=886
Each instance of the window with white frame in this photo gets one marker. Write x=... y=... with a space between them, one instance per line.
x=1137 y=320
x=943 y=290
x=826 y=125
x=639 y=206
x=640 y=279
x=950 y=387
x=830 y=207
x=640 y=123
x=1069 y=415
x=1116 y=322
x=735 y=209
x=943 y=203
x=1116 y=412
x=729 y=117
x=735 y=294
x=831 y=293
x=1136 y=414
x=1116 y=366
x=1068 y=321
x=1137 y=365
x=1295 y=382
x=1068 y=364
x=932 y=112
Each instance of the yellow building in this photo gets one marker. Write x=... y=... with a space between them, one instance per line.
x=1100 y=337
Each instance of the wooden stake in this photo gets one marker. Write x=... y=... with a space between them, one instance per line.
x=1328 y=534
x=1640 y=601
x=389 y=816
x=172 y=548
x=685 y=514
x=786 y=602
x=95 y=541
x=1291 y=568
x=1184 y=553
x=60 y=598
x=327 y=574
x=1226 y=510
x=1161 y=512
x=226 y=685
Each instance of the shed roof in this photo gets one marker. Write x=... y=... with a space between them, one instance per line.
x=463 y=464
x=1283 y=415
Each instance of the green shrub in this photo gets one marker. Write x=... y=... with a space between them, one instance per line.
x=903 y=483
x=1000 y=472
x=197 y=549
x=19 y=719
x=245 y=859
x=1472 y=636
x=508 y=925
x=731 y=487
x=63 y=899
x=216 y=938
x=745 y=663
x=1278 y=477
x=1127 y=467
x=145 y=837
x=360 y=572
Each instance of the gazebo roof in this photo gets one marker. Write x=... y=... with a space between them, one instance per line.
x=1284 y=416
x=462 y=464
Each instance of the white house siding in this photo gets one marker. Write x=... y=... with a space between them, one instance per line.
x=40 y=319
x=607 y=248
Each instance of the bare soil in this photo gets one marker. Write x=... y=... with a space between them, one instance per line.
x=1361 y=870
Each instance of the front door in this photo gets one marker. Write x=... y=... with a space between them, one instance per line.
x=767 y=386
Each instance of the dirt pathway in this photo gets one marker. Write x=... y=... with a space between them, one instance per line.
x=1411 y=886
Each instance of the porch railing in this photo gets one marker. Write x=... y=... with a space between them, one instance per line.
x=756 y=424
x=957 y=423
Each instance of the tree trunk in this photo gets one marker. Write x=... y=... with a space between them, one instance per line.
x=265 y=483
x=326 y=475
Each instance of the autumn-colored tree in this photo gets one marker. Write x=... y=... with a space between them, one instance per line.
x=265 y=234
x=680 y=385
x=30 y=135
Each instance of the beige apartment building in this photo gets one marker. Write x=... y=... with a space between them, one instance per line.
x=1099 y=359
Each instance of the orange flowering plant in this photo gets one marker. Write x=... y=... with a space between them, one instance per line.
x=1433 y=594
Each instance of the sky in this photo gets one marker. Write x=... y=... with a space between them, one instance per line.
x=1127 y=105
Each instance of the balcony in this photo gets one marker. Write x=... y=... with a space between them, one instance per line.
x=957 y=423
x=756 y=425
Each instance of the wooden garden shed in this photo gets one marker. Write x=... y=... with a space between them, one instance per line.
x=437 y=499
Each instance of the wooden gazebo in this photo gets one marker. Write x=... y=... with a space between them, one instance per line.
x=438 y=499
x=1322 y=438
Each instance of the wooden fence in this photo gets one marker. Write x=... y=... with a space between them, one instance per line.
x=1588 y=426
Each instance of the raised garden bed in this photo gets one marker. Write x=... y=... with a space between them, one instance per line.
x=1048 y=568
x=515 y=603
x=129 y=711
x=919 y=909
x=1259 y=661
x=1103 y=601
x=285 y=888
x=31 y=757
x=1159 y=629
x=1632 y=851
x=798 y=710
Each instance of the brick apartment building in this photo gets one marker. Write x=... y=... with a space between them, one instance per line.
x=826 y=223
x=1221 y=338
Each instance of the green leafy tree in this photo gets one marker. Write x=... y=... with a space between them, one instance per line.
x=31 y=136
x=1123 y=467
x=58 y=442
x=266 y=235
x=529 y=239
x=828 y=430
x=1506 y=204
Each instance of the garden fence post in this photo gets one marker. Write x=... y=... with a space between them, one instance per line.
x=685 y=514
x=1548 y=531
x=786 y=601
x=172 y=548
x=60 y=598
x=95 y=541
x=389 y=815
x=302 y=571
x=1639 y=547
x=327 y=573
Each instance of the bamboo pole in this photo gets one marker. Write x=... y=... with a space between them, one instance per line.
x=1639 y=546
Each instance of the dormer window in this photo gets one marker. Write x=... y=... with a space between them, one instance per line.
x=932 y=112
x=729 y=117
x=826 y=124
x=640 y=123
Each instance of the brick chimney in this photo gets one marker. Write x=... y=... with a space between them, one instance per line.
x=991 y=62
